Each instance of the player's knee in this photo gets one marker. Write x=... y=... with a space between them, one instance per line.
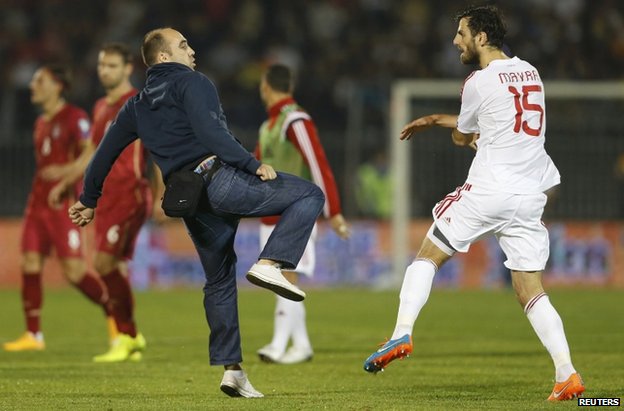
x=74 y=269
x=105 y=264
x=430 y=251
x=32 y=263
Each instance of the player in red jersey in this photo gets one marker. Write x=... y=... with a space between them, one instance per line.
x=125 y=203
x=59 y=135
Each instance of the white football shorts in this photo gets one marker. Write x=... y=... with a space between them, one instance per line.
x=308 y=259
x=468 y=214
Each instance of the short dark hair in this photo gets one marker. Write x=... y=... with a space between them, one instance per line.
x=153 y=43
x=118 y=48
x=487 y=19
x=61 y=74
x=280 y=78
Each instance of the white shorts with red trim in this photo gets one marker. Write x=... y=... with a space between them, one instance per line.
x=308 y=259
x=468 y=214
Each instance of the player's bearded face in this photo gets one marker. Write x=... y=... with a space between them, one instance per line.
x=465 y=42
x=469 y=54
x=111 y=70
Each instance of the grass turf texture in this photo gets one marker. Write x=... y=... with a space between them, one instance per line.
x=472 y=350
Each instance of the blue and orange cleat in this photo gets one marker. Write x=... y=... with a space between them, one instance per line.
x=389 y=351
x=571 y=388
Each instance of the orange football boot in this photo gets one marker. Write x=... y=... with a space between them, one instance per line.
x=571 y=388
x=390 y=351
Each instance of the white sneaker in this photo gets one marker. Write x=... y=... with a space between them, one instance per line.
x=269 y=354
x=236 y=384
x=270 y=277
x=295 y=355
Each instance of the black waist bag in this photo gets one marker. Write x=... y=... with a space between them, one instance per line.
x=182 y=194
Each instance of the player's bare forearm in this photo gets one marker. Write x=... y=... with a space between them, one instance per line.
x=461 y=139
x=55 y=172
x=57 y=193
x=445 y=120
x=69 y=173
x=80 y=164
x=423 y=123
x=74 y=172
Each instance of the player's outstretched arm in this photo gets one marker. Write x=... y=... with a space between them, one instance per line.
x=423 y=123
x=80 y=214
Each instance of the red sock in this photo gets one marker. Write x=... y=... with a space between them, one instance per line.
x=121 y=301
x=94 y=291
x=32 y=298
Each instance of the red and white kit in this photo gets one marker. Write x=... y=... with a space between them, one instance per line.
x=57 y=141
x=504 y=192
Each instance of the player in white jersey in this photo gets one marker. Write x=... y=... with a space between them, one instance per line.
x=503 y=117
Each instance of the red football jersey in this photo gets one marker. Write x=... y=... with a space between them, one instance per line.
x=129 y=171
x=57 y=141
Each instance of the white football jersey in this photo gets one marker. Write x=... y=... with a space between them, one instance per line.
x=504 y=103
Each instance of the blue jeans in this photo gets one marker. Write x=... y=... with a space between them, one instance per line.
x=233 y=194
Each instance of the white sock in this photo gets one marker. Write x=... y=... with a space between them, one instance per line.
x=414 y=294
x=549 y=328
x=236 y=373
x=299 y=329
x=37 y=336
x=282 y=327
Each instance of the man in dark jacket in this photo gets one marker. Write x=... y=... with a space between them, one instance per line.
x=179 y=119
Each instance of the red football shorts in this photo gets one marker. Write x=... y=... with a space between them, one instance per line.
x=45 y=228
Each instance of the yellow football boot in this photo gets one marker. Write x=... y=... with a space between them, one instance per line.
x=123 y=348
x=27 y=342
x=120 y=350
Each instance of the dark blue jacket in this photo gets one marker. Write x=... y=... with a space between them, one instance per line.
x=178 y=118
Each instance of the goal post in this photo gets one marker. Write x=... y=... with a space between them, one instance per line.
x=404 y=92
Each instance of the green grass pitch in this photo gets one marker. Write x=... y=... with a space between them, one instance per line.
x=472 y=350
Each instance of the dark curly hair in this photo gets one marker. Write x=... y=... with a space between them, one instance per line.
x=487 y=19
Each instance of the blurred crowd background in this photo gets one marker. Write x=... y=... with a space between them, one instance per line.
x=346 y=54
